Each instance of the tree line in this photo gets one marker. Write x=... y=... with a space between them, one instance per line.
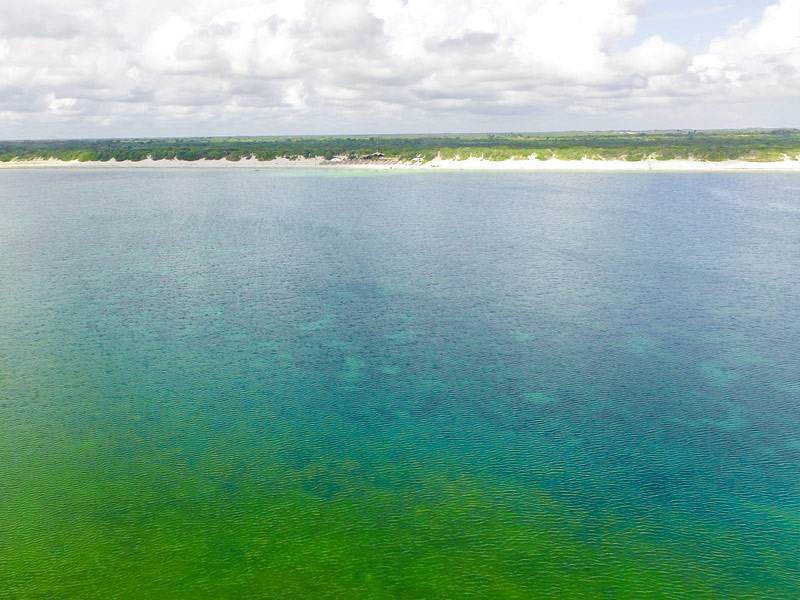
x=751 y=144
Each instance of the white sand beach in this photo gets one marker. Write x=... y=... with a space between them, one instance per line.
x=469 y=164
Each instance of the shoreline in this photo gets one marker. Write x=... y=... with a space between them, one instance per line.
x=469 y=164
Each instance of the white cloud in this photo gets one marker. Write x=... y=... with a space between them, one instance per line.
x=655 y=56
x=295 y=96
x=304 y=66
x=755 y=59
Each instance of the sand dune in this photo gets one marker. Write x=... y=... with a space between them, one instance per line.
x=469 y=164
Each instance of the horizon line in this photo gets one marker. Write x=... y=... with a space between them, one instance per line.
x=414 y=134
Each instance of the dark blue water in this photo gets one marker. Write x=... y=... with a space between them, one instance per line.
x=266 y=384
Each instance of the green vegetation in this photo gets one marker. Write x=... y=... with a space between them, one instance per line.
x=749 y=144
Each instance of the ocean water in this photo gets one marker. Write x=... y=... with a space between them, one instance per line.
x=267 y=384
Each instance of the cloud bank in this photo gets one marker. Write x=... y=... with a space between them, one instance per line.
x=209 y=67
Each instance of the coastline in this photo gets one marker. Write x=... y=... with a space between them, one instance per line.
x=469 y=164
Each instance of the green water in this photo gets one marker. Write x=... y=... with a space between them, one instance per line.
x=265 y=384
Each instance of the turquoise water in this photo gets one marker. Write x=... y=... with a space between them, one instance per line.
x=266 y=384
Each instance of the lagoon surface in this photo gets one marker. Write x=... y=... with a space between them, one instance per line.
x=269 y=384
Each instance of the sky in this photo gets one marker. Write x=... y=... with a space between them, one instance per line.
x=153 y=68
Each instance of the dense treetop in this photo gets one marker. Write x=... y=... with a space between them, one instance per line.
x=750 y=144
